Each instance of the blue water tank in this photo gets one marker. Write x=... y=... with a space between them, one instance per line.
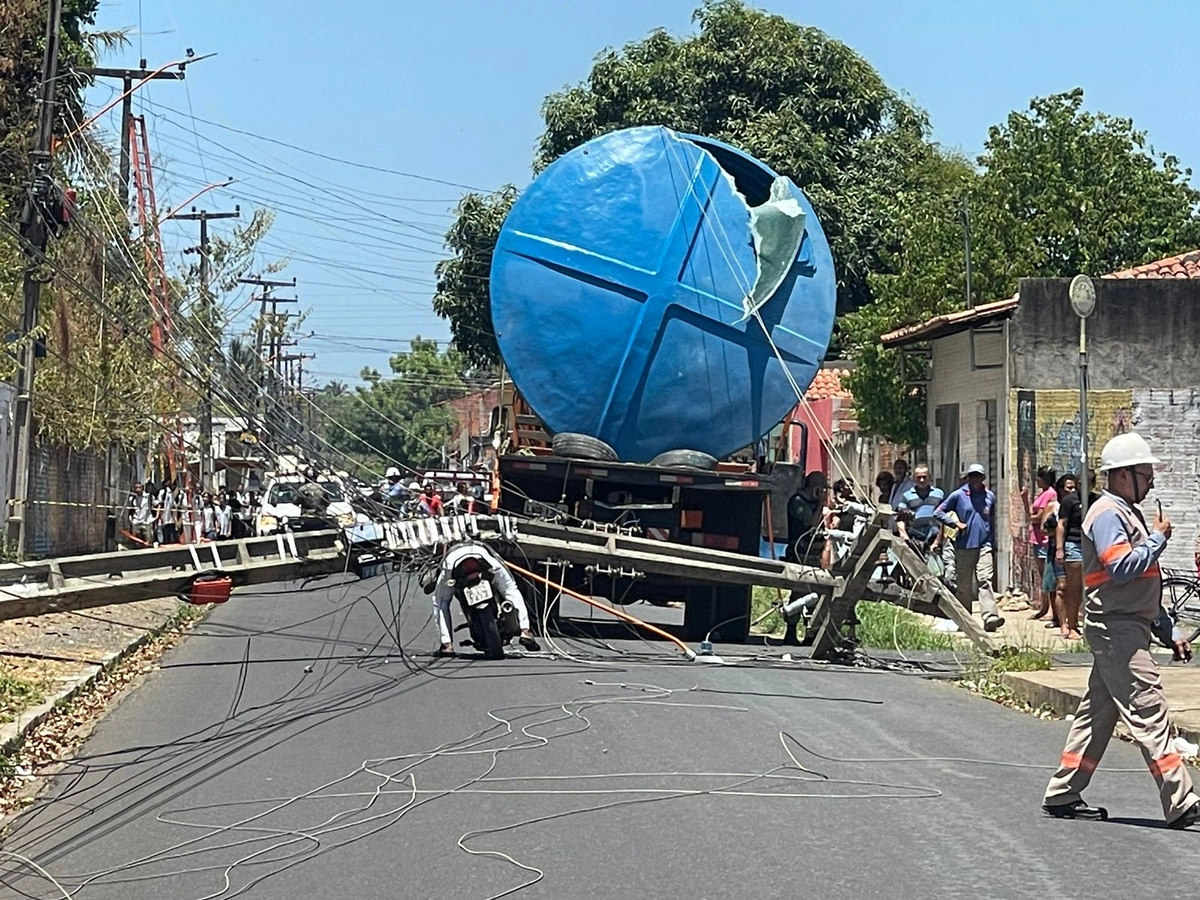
x=620 y=290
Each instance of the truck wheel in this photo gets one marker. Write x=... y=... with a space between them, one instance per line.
x=572 y=445
x=485 y=626
x=688 y=459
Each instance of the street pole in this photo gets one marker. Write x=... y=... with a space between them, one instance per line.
x=1082 y=294
x=261 y=338
x=966 y=223
x=111 y=467
x=209 y=341
x=35 y=235
x=1083 y=415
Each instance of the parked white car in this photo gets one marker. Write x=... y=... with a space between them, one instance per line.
x=281 y=502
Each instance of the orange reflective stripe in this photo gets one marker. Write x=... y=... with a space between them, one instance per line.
x=1115 y=552
x=1071 y=760
x=1088 y=765
x=1165 y=764
x=1095 y=579
x=1152 y=572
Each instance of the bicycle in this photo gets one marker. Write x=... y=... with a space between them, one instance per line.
x=1181 y=597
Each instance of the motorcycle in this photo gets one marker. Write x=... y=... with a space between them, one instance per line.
x=491 y=619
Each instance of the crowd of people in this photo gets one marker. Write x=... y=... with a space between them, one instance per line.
x=954 y=532
x=171 y=514
x=426 y=500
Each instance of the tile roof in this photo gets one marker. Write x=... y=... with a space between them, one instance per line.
x=1185 y=265
x=827 y=385
x=950 y=323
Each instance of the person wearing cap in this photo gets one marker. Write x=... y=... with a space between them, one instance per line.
x=1122 y=609
x=394 y=488
x=971 y=509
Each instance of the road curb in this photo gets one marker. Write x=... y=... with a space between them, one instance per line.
x=12 y=734
x=1064 y=701
x=1060 y=700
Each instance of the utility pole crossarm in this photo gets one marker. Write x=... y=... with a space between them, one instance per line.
x=140 y=74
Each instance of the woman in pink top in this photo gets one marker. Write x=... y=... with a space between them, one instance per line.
x=1037 y=512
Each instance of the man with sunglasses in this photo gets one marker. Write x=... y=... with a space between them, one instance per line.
x=1123 y=600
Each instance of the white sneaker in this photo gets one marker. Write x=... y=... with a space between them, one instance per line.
x=945 y=626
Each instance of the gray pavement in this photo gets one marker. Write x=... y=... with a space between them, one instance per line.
x=288 y=749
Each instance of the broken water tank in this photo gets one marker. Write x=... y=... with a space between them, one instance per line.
x=659 y=290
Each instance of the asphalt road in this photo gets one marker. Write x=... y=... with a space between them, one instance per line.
x=288 y=749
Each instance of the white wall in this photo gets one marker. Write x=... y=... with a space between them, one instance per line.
x=955 y=381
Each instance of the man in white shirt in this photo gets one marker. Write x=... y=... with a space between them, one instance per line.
x=165 y=503
x=139 y=509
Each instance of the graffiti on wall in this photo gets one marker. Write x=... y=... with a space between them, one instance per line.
x=1057 y=426
x=1047 y=434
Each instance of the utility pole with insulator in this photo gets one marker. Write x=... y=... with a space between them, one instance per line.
x=208 y=340
x=35 y=234
x=127 y=78
x=264 y=343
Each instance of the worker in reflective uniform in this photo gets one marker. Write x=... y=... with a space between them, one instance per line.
x=1123 y=600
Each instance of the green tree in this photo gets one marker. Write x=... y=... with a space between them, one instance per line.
x=403 y=416
x=800 y=101
x=22 y=43
x=1059 y=191
x=462 y=280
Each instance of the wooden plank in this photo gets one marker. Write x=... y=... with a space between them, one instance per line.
x=834 y=611
x=931 y=588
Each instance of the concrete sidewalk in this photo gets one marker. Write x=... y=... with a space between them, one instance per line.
x=1061 y=688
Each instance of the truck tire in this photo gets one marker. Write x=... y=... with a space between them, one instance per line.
x=485 y=626
x=688 y=459
x=573 y=445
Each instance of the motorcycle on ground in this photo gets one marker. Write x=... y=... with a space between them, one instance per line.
x=491 y=618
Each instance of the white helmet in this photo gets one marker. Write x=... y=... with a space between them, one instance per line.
x=414 y=486
x=392 y=472
x=1125 y=451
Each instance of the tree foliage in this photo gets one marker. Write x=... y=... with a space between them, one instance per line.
x=1058 y=191
x=800 y=101
x=22 y=43
x=462 y=280
x=402 y=417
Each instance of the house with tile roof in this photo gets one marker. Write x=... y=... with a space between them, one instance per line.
x=1002 y=388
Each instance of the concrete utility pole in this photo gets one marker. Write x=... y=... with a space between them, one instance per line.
x=35 y=233
x=127 y=77
x=209 y=339
x=295 y=381
x=264 y=342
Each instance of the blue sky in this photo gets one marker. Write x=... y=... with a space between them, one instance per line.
x=447 y=94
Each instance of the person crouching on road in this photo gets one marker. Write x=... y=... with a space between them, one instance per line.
x=971 y=509
x=1123 y=604
x=502 y=580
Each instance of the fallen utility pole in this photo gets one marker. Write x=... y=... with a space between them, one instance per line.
x=99 y=579
x=35 y=234
x=209 y=338
x=30 y=589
